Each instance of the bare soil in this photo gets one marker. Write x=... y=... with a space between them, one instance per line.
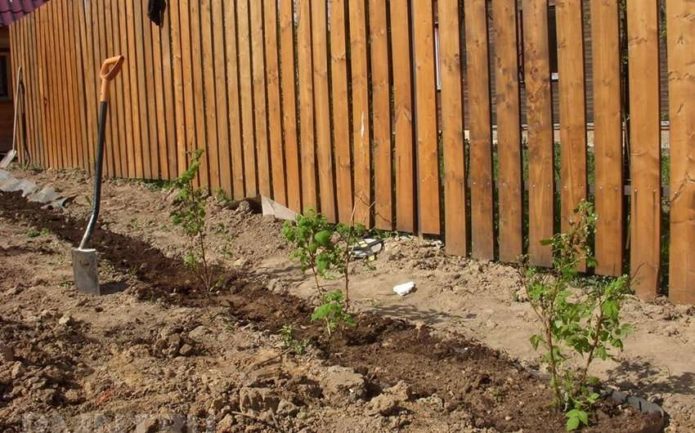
x=453 y=356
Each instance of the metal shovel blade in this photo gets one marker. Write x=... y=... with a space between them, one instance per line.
x=84 y=267
x=7 y=160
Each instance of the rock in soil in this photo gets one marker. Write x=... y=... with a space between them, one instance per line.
x=343 y=384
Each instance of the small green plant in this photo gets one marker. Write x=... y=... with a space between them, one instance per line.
x=585 y=325
x=332 y=312
x=311 y=236
x=34 y=233
x=189 y=214
x=290 y=343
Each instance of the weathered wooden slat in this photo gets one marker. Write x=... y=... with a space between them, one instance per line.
x=452 y=128
x=324 y=151
x=381 y=109
x=361 y=148
x=509 y=182
x=403 y=115
x=681 y=70
x=234 y=100
x=277 y=158
x=426 y=118
x=168 y=100
x=259 y=98
x=289 y=103
x=134 y=102
x=221 y=104
x=608 y=146
x=178 y=86
x=540 y=131
x=142 y=79
x=306 y=106
x=199 y=93
x=645 y=140
x=209 y=100
x=341 y=117
x=245 y=89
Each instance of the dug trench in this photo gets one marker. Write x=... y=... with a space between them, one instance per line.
x=496 y=391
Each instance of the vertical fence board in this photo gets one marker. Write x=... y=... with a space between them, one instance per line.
x=209 y=92
x=124 y=95
x=277 y=159
x=381 y=109
x=570 y=53
x=259 y=98
x=160 y=119
x=222 y=107
x=168 y=100
x=452 y=128
x=340 y=110
x=508 y=130
x=403 y=115
x=199 y=92
x=289 y=104
x=243 y=31
x=234 y=99
x=178 y=85
x=608 y=147
x=681 y=67
x=306 y=106
x=114 y=140
x=141 y=102
x=132 y=65
x=361 y=149
x=426 y=117
x=645 y=219
x=540 y=130
x=324 y=152
x=117 y=99
x=478 y=73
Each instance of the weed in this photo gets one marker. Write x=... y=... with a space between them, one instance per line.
x=332 y=312
x=34 y=233
x=189 y=213
x=289 y=342
x=585 y=326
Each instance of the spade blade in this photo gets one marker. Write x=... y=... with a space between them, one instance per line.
x=84 y=266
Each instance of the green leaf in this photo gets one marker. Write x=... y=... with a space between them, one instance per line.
x=323 y=238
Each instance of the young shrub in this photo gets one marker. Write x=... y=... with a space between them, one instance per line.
x=290 y=343
x=332 y=312
x=311 y=236
x=574 y=326
x=348 y=236
x=189 y=214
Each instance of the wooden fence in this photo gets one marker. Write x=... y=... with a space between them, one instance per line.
x=358 y=106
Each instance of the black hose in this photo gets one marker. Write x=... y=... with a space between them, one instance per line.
x=96 y=199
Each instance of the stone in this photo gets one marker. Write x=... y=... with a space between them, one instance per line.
x=148 y=425
x=383 y=404
x=343 y=384
x=17 y=370
x=287 y=408
x=198 y=333
x=65 y=320
x=257 y=400
x=186 y=350
x=401 y=390
x=225 y=425
x=6 y=353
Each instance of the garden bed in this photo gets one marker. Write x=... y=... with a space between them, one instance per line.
x=446 y=381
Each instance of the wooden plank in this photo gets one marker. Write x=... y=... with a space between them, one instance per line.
x=67 y=145
x=570 y=54
x=78 y=25
x=322 y=105
x=125 y=94
x=178 y=88
x=233 y=97
x=508 y=130
x=381 y=109
x=340 y=109
x=199 y=94
x=426 y=118
x=60 y=99
x=209 y=91
x=608 y=146
x=681 y=71
x=403 y=115
x=225 y=158
x=645 y=140
x=142 y=76
x=169 y=98
x=160 y=113
x=246 y=91
x=71 y=86
x=111 y=147
x=452 y=128
x=118 y=102
x=134 y=72
x=259 y=98
x=361 y=147
x=540 y=131
x=272 y=70
x=187 y=62
x=45 y=85
x=306 y=106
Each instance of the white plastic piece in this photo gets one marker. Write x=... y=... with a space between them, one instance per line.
x=405 y=288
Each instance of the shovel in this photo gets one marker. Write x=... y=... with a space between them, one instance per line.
x=84 y=258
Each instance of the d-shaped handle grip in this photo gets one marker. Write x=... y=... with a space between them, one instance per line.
x=109 y=70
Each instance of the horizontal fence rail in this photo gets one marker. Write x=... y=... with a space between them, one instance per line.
x=484 y=122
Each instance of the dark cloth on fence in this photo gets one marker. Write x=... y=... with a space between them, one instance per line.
x=155 y=11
